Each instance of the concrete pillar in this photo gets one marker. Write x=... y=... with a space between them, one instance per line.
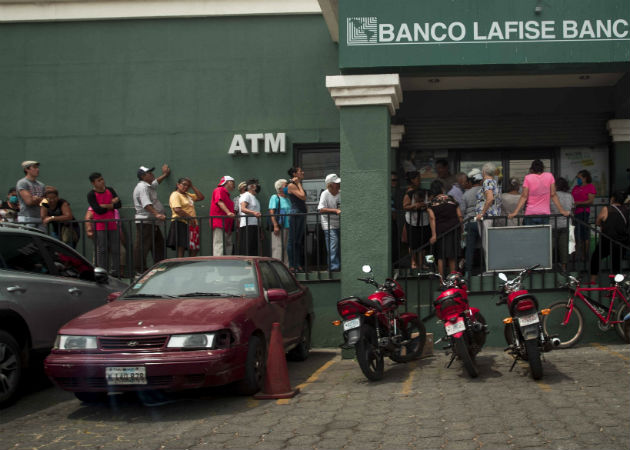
x=366 y=103
x=619 y=130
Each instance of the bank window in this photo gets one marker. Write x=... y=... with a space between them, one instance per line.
x=317 y=161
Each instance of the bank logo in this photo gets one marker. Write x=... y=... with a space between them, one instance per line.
x=362 y=30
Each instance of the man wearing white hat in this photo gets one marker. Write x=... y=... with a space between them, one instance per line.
x=149 y=212
x=222 y=217
x=30 y=195
x=329 y=208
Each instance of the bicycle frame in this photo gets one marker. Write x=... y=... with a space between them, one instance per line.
x=587 y=300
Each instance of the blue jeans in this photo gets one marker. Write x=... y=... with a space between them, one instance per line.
x=536 y=221
x=332 y=244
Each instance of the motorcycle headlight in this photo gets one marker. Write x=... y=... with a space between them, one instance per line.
x=197 y=340
x=65 y=342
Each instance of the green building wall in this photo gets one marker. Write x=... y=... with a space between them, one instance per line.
x=110 y=96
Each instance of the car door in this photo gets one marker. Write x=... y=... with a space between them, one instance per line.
x=278 y=309
x=296 y=309
x=26 y=287
x=75 y=284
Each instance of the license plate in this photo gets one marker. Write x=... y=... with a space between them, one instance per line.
x=350 y=324
x=528 y=320
x=126 y=375
x=452 y=328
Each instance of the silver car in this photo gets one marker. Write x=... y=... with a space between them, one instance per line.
x=43 y=284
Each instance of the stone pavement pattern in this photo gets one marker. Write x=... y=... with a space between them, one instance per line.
x=583 y=401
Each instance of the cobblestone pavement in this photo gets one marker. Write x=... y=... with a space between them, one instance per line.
x=583 y=401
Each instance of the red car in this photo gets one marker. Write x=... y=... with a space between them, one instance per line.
x=186 y=323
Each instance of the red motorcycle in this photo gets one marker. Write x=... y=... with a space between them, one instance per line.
x=375 y=328
x=523 y=329
x=464 y=325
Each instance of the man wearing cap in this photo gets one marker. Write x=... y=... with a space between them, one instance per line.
x=30 y=195
x=149 y=209
x=222 y=217
x=329 y=203
x=467 y=207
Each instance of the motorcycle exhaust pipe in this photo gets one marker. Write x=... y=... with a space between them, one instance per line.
x=555 y=342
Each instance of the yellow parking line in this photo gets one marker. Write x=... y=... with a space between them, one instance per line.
x=542 y=385
x=311 y=379
x=612 y=352
x=406 y=388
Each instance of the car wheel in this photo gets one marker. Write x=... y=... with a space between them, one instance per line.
x=254 y=367
x=10 y=368
x=300 y=351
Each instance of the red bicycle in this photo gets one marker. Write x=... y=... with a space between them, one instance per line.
x=566 y=322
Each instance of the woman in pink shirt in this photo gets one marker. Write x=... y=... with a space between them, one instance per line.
x=583 y=194
x=538 y=188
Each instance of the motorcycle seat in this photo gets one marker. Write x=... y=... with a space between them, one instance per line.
x=371 y=304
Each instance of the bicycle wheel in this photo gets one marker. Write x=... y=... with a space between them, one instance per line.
x=619 y=327
x=568 y=334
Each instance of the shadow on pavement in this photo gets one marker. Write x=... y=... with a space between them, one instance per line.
x=150 y=406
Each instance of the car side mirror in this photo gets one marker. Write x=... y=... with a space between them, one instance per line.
x=100 y=275
x=277 y=295
x=113 y=296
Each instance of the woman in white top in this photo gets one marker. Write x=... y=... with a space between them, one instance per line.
x=250 y=214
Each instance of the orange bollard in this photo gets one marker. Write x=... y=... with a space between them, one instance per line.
x=277 y=383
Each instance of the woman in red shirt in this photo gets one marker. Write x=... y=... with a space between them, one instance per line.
x=583 y=194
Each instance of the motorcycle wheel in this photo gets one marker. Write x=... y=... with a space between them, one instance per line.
x=461 y=349
x=480 y=336
x=568 y=334
x=622 y=328
x=416 y=333
x=369 y=356
x=533 y=356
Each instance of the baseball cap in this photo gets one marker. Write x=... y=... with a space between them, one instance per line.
x=225 y=179
x=333 y=178
x=144 y=170
x=26 y=164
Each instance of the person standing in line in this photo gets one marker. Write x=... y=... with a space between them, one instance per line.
x=10 y=208
x=184 y=232
x=467 y=207
x=104 y=201
x=510 y=199
x=57 y=212
x=296 y=194
x=444 y=215
x=30 y=195
x=488 y=205
x=149 y=214
x=583 y=194
x=444 y=174
x=460 y=185
x=236 y=239
x=614 y=221
x=329 y=209
x=250 y=215
x=417 y=228
x=222 y=217
x=560 y=225
x=538 y=188
x=279 y=210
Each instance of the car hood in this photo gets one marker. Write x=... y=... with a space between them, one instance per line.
x=167 y=316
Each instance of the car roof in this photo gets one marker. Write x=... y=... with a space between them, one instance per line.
x=227 y=258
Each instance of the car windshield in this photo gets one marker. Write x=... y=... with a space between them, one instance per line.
x=201 y=278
